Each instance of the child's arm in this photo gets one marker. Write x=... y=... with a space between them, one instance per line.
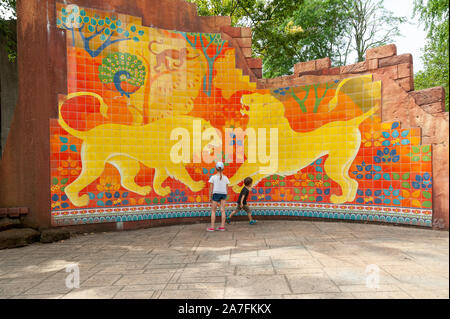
x=242 y=201
x=210 y=191
x=248 y=195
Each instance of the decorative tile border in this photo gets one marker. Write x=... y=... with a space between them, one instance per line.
x=419 y=217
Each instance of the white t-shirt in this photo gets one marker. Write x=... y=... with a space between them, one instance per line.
x=219 y=186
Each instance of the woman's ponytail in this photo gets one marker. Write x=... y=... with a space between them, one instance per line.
x=219 y=167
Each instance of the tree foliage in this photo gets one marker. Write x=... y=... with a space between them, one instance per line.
x=321 y=27
x=275 y=34
x=265 y=18
x=7 y=27
x=435 y=16
x=286 y=32
x=231 y=8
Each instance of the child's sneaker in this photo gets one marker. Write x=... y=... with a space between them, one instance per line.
x=252 y=222
x=210 y=229
x=228 y=220
x=220 y=228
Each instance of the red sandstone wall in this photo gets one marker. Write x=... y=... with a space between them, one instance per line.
x=24 y=168
x=423 y=109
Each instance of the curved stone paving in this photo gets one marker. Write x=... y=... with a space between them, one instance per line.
x=273 y=259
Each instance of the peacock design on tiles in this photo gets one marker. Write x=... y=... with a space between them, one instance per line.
x=124 y=70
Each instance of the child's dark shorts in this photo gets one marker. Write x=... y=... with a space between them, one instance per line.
x=219 y=197
x=244 y=207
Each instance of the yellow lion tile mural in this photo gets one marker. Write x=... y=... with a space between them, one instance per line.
x=318 y=150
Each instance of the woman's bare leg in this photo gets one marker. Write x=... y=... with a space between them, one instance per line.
x=222 y=211
x=213 y=213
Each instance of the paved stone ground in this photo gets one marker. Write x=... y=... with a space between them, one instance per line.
x=273 y=259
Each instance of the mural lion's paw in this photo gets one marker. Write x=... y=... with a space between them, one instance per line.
x=145 y=190
x=198 y=186
x=81 y=201
x=163 y=191
x=338 y=199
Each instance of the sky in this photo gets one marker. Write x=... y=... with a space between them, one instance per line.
x=414 y=36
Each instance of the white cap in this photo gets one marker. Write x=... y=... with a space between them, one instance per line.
x=219 y=165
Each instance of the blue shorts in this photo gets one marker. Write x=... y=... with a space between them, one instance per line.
x=219 y=197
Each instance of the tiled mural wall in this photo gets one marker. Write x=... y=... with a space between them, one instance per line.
x=129 y=86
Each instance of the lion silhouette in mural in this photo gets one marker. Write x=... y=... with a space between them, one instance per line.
x=340 y=140
x=168 y=96
x=124 y=147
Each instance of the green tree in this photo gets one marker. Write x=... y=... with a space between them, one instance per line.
x=286 y=32
x=275 y=35
x=316 y=29
x=265 y=18
x=231 y=8
x=372 y=25
x=7 y=27
x=435 y=15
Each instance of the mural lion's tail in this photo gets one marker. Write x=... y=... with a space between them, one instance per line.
x=359 y=80
x=358 y=120
x=64 y=125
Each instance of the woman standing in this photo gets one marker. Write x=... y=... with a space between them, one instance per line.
x=218 y=188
